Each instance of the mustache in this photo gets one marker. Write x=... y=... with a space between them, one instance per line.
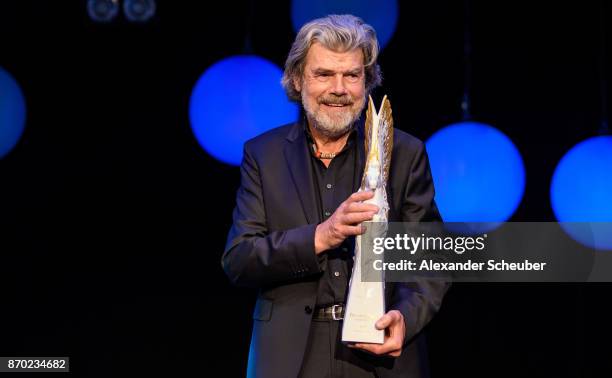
x=342 y=100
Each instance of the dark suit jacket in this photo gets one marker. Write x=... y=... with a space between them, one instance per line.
x=271 y=247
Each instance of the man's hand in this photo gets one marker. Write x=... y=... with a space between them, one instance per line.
x=395 y=331
x=345 y=221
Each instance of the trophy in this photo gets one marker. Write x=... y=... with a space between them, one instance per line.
x=366 y=300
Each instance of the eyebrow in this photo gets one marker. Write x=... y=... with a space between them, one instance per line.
x=324 y=71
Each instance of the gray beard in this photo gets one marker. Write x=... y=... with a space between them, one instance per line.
x=332 y=128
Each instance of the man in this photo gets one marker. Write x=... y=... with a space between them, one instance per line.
x=297 y=213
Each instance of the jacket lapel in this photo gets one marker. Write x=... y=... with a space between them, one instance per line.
x=298 y=159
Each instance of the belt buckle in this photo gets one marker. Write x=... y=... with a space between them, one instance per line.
x=334 y=316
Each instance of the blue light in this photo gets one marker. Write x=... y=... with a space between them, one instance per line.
x=102 y=10
x=478 y=174
x=139 y=10
x=234 y=100
x=12 y=113
x=581 y=191
x=381 y=14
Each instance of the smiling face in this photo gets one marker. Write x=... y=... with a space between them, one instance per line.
x=332 y=89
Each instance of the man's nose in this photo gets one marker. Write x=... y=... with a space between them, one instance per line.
x=338 y=85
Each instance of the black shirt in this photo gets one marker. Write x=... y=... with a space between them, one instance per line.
x=333 y=185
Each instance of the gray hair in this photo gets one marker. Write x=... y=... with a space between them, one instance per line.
x=339 y=33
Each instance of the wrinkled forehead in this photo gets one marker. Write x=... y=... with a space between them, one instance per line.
x=321 y=57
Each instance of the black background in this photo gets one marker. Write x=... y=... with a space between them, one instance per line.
x=113 y=219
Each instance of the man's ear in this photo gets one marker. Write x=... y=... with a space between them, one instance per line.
x=297 y=83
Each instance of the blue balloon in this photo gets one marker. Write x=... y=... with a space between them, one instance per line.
x=581 y=191
x=478 y=174
x=12 y=113
x=235 y=100
x=381 y=14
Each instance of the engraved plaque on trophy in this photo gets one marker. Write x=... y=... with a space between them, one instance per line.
x=366 y=300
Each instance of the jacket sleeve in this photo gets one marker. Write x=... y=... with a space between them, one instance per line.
x=420 y=300
x=255 y=257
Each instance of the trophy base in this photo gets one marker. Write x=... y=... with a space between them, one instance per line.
x=364 y=307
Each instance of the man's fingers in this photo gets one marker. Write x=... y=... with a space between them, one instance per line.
x=354 y=218
x=347 y=218
x=372 y=348
x=356 y=207
x=386 y=320
x=354 y=230
x=392 y=322
x=396 y=353
x=390 y=347
x=360 y=196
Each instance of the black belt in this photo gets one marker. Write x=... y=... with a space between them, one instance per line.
x=334 y=312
